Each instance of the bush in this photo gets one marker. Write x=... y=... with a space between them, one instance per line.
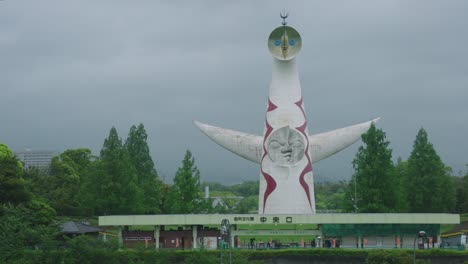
x=84 y=250
x=389 y=257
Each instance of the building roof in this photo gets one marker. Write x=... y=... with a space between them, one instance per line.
x=72 y=227
x=457 y=230
x=256 y=219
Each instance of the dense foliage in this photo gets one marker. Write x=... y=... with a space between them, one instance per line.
x=373 y=184
x=422 y=184
x=25 y=222
x=429 y=186
x=82 y=252
x=184 y=196
x=123 y=180
x=461 y=204
x=12 y=185
x=329 y=196
x=147 y=178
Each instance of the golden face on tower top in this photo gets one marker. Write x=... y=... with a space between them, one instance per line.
x=284 y=43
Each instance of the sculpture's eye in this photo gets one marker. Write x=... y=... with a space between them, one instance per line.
x=275 y=144
x=292 y=42
x=277 y=42
x=296 y=144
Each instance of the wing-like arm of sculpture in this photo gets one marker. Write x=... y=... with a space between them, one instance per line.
x=249 y=146
x=326 y=144
x=245 y=145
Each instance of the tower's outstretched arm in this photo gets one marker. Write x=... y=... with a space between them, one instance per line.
x=249 y=146
x=245 y=145
x=328 y=143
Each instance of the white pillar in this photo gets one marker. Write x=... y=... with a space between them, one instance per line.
x=194 y=236
x=156 y=237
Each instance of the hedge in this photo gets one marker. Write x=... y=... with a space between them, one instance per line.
x=104 y=256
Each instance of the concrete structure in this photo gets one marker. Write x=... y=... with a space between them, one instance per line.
x=344 y=230
x=40 y=159
x=286 y=151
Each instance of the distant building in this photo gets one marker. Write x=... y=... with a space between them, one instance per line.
x=456 y=237
x=40 y=159
x=73 y=228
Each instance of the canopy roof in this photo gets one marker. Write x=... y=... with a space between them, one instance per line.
x=256 y=219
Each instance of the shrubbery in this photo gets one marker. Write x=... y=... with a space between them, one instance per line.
x=82 y=250
x=389 y=257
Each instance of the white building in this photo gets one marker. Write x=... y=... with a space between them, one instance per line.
x=40 y=159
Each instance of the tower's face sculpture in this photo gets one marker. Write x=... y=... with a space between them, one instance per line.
x=286 y=146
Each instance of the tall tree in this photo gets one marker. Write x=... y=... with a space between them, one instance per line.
x=430 y=188
x=111 y=184
x=184 y=196
x=462 y=195
x=79 y=158
x=461 y=188
x=12 y=185
x=147 y=177
x=400 y=174
x=373 y=176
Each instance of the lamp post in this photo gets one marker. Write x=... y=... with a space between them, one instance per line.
x=419 y=235
x=225 y=233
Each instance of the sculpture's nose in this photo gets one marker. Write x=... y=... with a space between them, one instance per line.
x=284 y=44
x=286 y=149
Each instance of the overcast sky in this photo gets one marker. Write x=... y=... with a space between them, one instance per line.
x=70 y=70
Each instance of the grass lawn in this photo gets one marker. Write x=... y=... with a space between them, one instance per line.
x=446 y=228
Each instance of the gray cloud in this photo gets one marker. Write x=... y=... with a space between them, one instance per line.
x=71 y=70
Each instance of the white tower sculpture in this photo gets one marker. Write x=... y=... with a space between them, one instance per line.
x=286 y=151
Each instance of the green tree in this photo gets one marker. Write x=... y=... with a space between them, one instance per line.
x=79 y=159
x=60 y=186
x=111 y=185
x=37 y=182
x=184 y=195
x=23 y=227
x=12 y=185
x=147 y=177
x=400 y=174
x=246 y=188
x=247 y=205
x=330 y=195
x=64 y=185
x=462 y=195
x=430 y=188
x=375 y=184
